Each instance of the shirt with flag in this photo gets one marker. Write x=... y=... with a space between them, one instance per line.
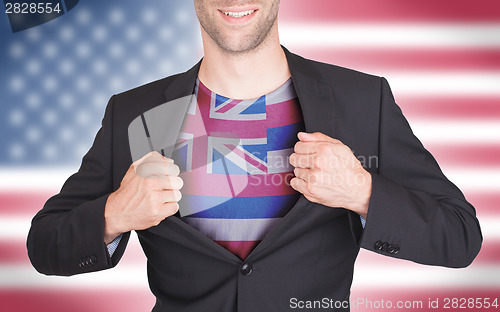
x=233 y=156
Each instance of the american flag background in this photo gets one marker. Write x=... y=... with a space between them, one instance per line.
x=441 y=57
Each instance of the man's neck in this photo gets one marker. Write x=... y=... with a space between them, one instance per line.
x=246 y=75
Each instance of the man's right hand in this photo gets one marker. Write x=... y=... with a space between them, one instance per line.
x=148 y=193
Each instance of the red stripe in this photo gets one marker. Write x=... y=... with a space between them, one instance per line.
x=227 y=107
x=366 y=299
x=450 y=107
x=486 y=204
x=15 y=252
x=105 y=300
x=20 y=203
x=143 y=300
x=76 y=300
x=466 y=155
x=25 y=203
x=489 y=254
x=271 y=184
x=382 y=60
x=390 y=11
x=240 y=248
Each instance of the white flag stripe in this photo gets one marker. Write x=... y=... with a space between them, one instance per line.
x=474 y=180
x=135 y=277
x=394 y=35
x=47 y=180
x=478 y=277
x=16 y=228
x=469 y=179
x=125 y=277
x=278 y=161
x=456 y=131
x=233 y=229
x=442 y=83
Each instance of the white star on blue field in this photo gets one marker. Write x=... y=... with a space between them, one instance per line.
x=56 y=78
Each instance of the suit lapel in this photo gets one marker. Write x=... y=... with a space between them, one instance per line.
x=183 y=84
x=315 y=98
x=158 y=128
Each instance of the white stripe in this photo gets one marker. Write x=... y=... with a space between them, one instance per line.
x=442 y=83
x=188 y=137
x=25 y=178
x=284 y=93
x=253 y=141
x=128 y=276
x=122 y=277
x=279 y=161
x=464 y=132
x=16 y=228
x=469 y=179
x=416 y=276
x=337 y=35
x=474 y=179
x=233 y=229
x=379 y=276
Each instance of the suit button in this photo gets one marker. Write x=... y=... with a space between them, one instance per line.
x=93 y=260
x=83 y=263
x=246 y=269
x=396 y=249
x=384 y=246
x=390 y=249
x=378 y=245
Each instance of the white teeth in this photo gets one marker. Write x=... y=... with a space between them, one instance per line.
x=239 y=14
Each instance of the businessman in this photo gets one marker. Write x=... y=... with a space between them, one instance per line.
x=214 y=247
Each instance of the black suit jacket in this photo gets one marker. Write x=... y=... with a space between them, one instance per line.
x=415 y=213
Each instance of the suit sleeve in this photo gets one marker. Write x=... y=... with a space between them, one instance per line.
x=415 y=212
x=67 y=235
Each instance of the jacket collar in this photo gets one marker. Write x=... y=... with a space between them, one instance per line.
x=315 y=96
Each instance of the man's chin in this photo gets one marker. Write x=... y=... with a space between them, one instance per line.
x=240 y=46
x=239 y=50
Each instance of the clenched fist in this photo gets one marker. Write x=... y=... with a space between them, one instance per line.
x=148 y=193
x=327 y=172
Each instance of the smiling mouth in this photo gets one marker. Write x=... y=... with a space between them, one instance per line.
x=239 y=14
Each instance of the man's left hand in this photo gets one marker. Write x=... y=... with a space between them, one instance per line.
x=328 y=173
